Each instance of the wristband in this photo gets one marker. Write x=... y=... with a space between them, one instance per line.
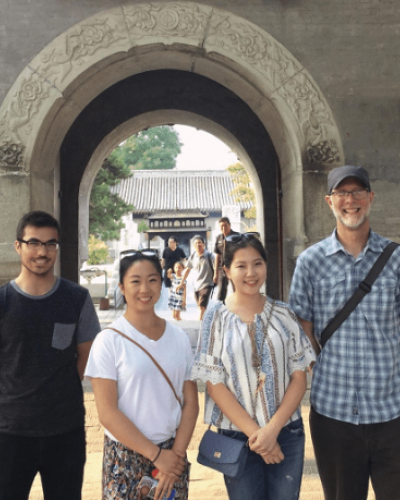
x=158 y=454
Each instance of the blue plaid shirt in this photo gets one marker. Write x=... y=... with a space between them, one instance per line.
x=357 y=375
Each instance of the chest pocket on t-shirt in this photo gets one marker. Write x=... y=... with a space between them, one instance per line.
x=62 y=335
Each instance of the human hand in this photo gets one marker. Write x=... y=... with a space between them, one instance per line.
x=275 y=456
x=215 y=278
x=263 y=440
x=179 y=287
x=170 y=463
x=164 y=486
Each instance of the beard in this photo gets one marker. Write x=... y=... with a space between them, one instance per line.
x=351 y=222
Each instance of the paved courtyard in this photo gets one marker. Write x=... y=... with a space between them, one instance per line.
x=205 y=483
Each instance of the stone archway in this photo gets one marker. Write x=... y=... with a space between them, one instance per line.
x=59 y=84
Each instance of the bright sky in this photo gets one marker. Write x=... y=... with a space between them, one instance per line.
x=202 y=151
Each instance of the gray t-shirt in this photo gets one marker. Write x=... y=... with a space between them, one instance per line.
x=40 y=389
x=203 y=265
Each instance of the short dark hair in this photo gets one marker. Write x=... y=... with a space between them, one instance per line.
x=224 y=219
x=37 y=218
x=129 y=260
x=232 y=248
x=198 y=237
x=173 y=238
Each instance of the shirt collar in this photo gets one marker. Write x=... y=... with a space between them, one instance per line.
x=374 y=243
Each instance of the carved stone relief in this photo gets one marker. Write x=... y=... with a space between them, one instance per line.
x=175 y=19
x=79 y=47
x=222 y=35
x=10 y=157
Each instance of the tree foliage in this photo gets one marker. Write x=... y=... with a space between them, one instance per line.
x=106 y=209
x=242 y=192
x=155 y=148
x=98 y=251
x=151 y=149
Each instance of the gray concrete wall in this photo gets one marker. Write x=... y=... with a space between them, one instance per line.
x=350 y=47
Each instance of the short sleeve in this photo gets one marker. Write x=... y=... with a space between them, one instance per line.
x=88 y=324
x=300 y=351
x=189 y=359
x=189 y=263
x=207 y=365
x=301 y=291
x=101 y=362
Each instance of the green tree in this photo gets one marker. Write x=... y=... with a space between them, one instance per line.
x=98 y=251
x=155 y=148
x=106 y=209
x=151 y=149
x=242 y=192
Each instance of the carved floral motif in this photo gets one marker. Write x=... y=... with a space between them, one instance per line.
x=28 y=98
x=11 y=156
x=172 y=19
x=251 y=44
x=78 y=44
x=308 y=107
x=324 y=152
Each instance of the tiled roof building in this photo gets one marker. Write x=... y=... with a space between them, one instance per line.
x=151 y=191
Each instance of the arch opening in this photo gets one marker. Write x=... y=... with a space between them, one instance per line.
x=56 y=91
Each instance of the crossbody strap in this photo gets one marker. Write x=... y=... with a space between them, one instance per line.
x=363 y=288
x=154 y=361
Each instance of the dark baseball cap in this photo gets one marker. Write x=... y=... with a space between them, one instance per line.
x=337 y=175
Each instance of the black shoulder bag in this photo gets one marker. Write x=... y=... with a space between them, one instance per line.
x=363 y=288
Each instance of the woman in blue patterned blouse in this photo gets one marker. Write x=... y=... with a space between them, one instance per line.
x=253 y=355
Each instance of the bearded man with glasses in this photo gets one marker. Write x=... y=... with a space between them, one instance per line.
x=355 y=391
x=47 y=325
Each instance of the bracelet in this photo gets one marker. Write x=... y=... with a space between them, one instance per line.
x=158 y=454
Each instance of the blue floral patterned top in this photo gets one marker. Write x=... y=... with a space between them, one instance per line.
x=224 y=355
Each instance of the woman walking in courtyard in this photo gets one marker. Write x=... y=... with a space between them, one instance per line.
x=253 y=355
x=146 y=427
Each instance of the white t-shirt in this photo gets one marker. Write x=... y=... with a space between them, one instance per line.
x=144 y=395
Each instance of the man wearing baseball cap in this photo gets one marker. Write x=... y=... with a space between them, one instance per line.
x=355 y=392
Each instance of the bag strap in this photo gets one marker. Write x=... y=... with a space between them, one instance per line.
x=363 y=288
x=151 y=357
x=210 y=261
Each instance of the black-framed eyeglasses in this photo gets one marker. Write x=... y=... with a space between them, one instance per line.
x=235 y=238
x=148 y=252
x=50 y=246
x=359 y=194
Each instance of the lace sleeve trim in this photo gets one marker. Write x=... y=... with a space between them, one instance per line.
x=205 y=370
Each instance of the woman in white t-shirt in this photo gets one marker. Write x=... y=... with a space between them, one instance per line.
x=145 y=426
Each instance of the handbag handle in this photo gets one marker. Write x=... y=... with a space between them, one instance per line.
x=154 y=361
x=363 y=288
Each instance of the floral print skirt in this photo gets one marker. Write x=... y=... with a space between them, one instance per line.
x=123 y=468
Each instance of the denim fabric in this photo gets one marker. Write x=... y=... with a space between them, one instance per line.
x=261 y=481
x=59 y=459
